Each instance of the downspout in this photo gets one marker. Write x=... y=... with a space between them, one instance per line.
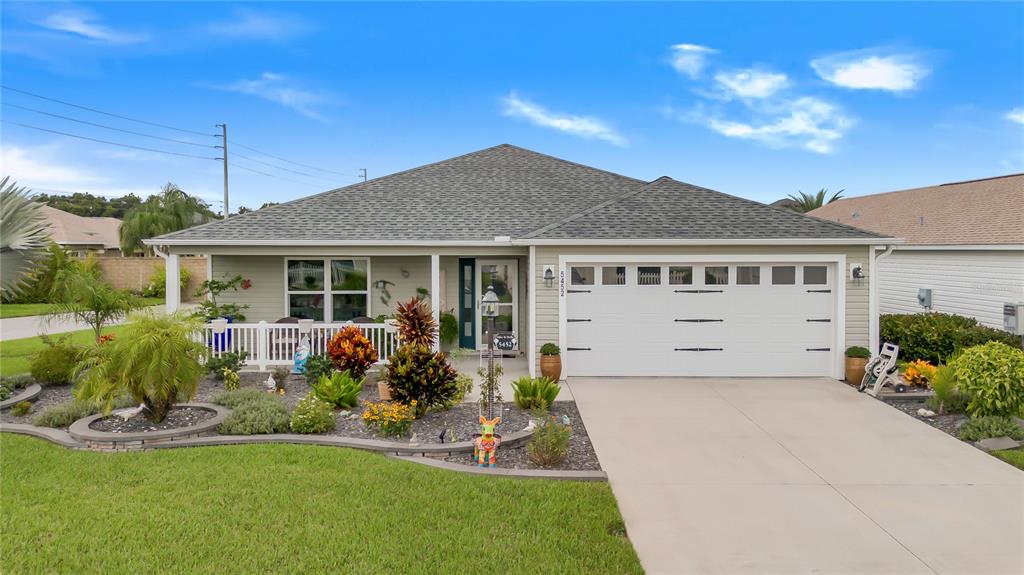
x=873 y=336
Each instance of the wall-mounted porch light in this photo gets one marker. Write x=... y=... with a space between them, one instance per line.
x=549 y=276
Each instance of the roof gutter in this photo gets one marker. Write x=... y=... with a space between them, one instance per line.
x=506 y=241
x=873 y=320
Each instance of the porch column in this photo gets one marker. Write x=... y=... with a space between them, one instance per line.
x=435 y=294
x=172 y=269
x=531 y=314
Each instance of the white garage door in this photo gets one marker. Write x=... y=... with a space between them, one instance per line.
x=700 y=319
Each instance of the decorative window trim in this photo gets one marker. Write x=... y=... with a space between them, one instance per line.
x=327 y=291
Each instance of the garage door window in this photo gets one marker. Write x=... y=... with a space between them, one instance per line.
x=680 y=275
x=648 y=276
x=582 y=276
x=748 y=275
x=716 y=275
x=613 y=275
x=783 y=275
x=815 y=275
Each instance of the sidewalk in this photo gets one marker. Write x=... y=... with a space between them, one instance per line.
x=33 y=325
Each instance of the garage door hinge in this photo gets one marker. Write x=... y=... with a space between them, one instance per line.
x=577 y=349
x=821 y=320
x=700 y=320
x=699 y=291
x=699 y=349
x=577 y=291
x=576 y=320
x=819 y=349
x=819 y=291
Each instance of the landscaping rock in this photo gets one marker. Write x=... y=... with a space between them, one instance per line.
x=925 y=412
x=998 y=443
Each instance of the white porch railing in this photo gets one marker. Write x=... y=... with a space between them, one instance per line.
x=272 y=344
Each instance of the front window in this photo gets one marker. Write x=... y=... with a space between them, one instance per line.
x=339 y=297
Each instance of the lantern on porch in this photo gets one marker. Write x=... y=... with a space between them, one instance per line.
x=489 y=304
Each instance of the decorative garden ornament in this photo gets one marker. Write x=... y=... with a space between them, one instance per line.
x=271 y=384
x=301 y=355
x=485 y=447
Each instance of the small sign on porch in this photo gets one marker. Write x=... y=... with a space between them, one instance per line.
x=505 y=341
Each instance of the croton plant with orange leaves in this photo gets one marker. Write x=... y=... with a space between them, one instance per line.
x=352 y=351
x=919 y=373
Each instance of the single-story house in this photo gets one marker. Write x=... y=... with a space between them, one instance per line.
x=628 y=277
x=83 y=235
x=964 y=245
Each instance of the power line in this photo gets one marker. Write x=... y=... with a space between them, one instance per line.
x=107 y=127
x=287 y=161
x=251 y=159
x=165 y=126
x=107 y=141
x=234 y=165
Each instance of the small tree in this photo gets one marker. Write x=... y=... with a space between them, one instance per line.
x=806 y=202
x=156 y=360
x=87 y=298
x=210 y=309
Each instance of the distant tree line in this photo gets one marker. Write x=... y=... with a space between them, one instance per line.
x=88 y=205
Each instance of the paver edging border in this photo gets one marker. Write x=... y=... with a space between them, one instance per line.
x=558 y=474
x=58 y=436
x=30 y=393
x=81 y=431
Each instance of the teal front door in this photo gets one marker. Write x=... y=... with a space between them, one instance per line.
x=467 y=303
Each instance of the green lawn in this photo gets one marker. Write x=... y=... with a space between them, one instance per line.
x=291 y=509
x=1014 y=457
x=25 y=309
x=15 y=354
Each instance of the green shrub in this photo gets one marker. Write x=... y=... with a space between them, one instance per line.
x=64 y=414
x=17 y=382
x=550 y=440
x=530 y=393
x=230 y=360
x=21 y=408
x=231 y=379
x=857 y=351
x=948 y=398
x=990 y=426
x=56 y=363
x=239 y=397
x=993 y=375
x=339 y=389
x=550 y=349
x=449 y=329
x=157 y=286
x=317 y=366
x=415 y=372
x=312 y=416
x=5 y=392
x=267 y=414
x=934 y=337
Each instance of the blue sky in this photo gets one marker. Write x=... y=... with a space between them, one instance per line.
x=758 y=100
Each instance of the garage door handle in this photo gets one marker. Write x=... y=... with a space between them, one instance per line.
x=578 y=291
x=819 y=349
x=699 y=349
x=700 y=320
x=699 y=291
x=821 y=320
x=819 y=291
x=576 y=320
x=577 y=349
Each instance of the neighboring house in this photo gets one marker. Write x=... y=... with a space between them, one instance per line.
x=964 y=241
x=628 y=277
x=82 y=235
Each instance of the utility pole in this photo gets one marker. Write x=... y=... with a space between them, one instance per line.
x=363 y=174
x=224 y=136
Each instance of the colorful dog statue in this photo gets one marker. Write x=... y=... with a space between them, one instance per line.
x=485 y=447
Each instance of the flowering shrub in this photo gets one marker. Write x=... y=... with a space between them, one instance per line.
x=919 y=373
x=106 y=338
x=389 y=419
x=312 y=416
x=351 y=351
x=231 y=378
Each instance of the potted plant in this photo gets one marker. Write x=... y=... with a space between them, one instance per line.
x=856 y=359
x=551 y=361
x=211 y=310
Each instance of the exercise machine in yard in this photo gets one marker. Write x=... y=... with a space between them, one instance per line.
x=882 y=371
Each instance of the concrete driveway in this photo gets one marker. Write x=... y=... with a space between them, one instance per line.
x=796 y=476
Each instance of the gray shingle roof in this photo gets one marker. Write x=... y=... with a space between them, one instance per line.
x=510 y=191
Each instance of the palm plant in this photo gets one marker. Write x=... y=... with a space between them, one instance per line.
x=806 y=202
x=157 y=360
x=87 y=298
x=169 y=211
x=23 y=234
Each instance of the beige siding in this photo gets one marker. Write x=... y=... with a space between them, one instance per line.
x=856 y=290
x=266 y=296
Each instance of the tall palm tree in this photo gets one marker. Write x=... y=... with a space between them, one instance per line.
x=169 y=211
x=806 y=202
x=24 y=234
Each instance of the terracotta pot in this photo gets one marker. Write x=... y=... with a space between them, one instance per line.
x=855 y=369
x=551 y=366
x=384 y=390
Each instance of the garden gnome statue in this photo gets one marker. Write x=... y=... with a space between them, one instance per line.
x=301 y=355
x=485 y=447
x=271 y=384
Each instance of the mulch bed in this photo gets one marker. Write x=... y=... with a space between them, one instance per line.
x=949 y=422
x=51 y=395
x=177 y=418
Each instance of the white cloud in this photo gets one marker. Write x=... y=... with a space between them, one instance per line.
x=37 y=167
x=84 y=24
x=751 y=83
x=582 y=126
x=277 y=88
x=690 y=59
x=872 y=70
x=806 y=122
x=1016 y=115
x=250 y=25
